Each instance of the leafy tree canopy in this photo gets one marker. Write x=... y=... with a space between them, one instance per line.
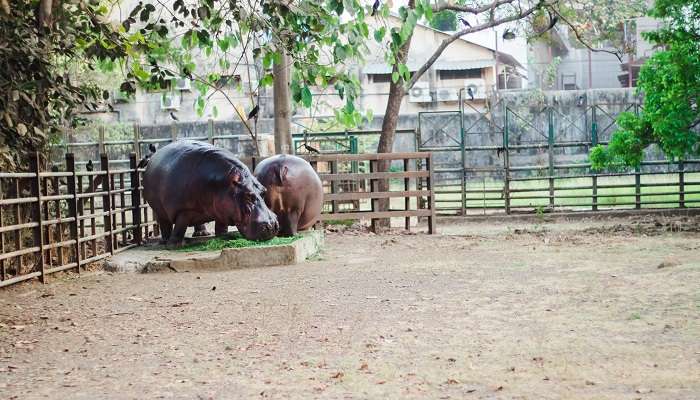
x=445 y=21
x=41 y=48
x=670 y=84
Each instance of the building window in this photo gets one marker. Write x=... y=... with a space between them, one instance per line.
x=459 y=74
x=379 y=78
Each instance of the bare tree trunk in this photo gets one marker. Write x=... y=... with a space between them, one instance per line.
x=397 y=91
x=283 y=122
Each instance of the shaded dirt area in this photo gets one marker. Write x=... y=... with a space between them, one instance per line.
x=507 y=310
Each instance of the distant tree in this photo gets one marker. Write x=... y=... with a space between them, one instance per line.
x=445 y=21
x=670 y=84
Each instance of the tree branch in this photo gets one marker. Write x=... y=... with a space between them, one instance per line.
x=468 y=9
x=493 y=22
x=583 y=42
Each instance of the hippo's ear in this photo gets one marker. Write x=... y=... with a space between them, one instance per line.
x=282 y=174
x=235 y=177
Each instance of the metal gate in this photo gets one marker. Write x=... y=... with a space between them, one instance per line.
x=442 y=134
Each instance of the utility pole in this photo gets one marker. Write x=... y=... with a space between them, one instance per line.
x=283 y=123
x=590 y=70
x=495 y=70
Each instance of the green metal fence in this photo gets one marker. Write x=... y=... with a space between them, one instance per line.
x=505 y=160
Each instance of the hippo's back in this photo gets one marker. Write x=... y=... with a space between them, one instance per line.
x=181 y=169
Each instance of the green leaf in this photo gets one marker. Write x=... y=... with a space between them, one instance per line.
x=306 y=97
x=394 y=76
x=379 y=34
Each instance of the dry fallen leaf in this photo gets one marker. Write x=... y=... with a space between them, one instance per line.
x=337 y=375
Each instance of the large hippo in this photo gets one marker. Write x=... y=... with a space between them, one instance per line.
x=294 y=191
x=190 y=183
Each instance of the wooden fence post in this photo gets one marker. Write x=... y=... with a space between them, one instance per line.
x=135 y=198
x=73 y=207
x=431 y=200
x=107 y=204
x=101 y=139
x=137 y=140
x=550 y=153
x=372 y=190
x=173 y=132
x=637 y=188
x=38 y=236
x=594 y=142
x=681 y=184
x=334 y=187
x=3 y=271
x=407 y=187
x=506 y=163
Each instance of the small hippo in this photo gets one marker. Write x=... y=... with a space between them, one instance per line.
x=294 y=192
x=189 y=183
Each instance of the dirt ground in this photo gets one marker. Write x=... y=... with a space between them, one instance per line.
x=585 y=309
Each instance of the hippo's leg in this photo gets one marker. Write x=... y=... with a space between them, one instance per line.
x=177 y=237
x=288 y=223
x=200 y=230
x=166 y=229
x=220 y=228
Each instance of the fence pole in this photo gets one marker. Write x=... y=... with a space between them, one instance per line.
x=506 y=162
x=637 y=188
x=681 y=184
x=550 y=151
x=594 y=142
x=107 y=204
x=38 y=236
x=73 y=207
x=210 y=131
x=3 y=271
x=407 y=199
x=463 y=151
x=334 y=186
x=371 y=189
x=173 y=132
x=135 y=197
x=137 y=139
x=101 y=139
x=431 y=199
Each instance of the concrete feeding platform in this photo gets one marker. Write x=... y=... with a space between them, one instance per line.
x=156 y=258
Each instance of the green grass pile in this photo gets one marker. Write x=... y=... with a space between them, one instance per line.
x=237 y=241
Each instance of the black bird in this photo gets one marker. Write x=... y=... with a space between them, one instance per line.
x=375 y=7
x=144 y=161
x=311 y=149
x=553 y=19
x=89 y=166
x=172 y=115
x=254 y=113
x=465 y=22
x=470 y=92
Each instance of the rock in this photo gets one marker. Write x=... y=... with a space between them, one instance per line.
x=668 y=263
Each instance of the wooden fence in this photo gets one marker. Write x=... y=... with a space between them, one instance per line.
x=64 y=220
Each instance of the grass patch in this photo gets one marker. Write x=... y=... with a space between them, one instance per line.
x=237 y=241
x=343 y=222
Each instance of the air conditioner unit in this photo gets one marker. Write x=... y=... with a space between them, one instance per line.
x=477 y=86
x=170 y=101
x=183 y=84
x=420 y=93
x=447 y=94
